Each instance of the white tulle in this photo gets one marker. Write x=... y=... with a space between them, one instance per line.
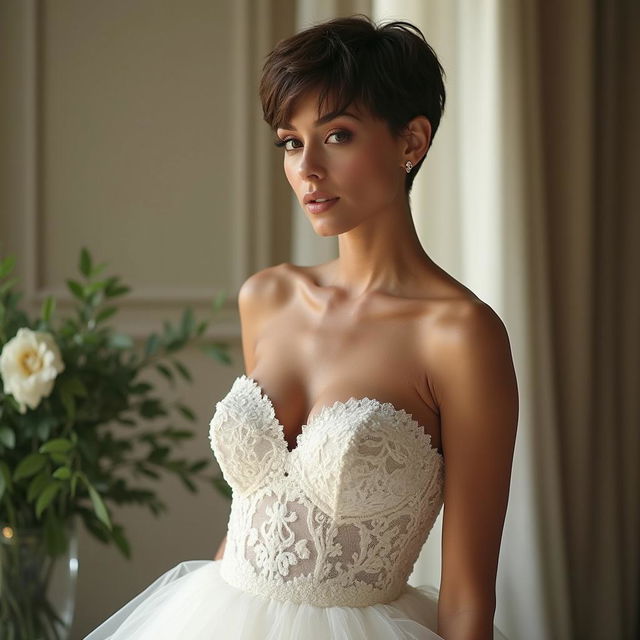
x=192 y=602
x=321 y=539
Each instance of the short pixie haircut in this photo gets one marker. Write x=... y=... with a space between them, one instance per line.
x=389 y=69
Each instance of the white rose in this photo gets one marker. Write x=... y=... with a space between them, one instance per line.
x=29 y=364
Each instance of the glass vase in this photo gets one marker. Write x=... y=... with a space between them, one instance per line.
x=37 y=590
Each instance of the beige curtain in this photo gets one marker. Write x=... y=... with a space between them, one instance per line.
x=590 y=100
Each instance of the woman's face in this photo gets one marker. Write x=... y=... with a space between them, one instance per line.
x=352 y=158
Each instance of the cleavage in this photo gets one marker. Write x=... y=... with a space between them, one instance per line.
x=294 y=407
x=290 y=436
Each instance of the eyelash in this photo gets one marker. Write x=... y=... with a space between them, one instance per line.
x=282 y=143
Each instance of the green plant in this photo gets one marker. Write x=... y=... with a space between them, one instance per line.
x=77 y=436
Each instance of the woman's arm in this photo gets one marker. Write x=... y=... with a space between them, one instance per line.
x=220 y=551
x=475 y=386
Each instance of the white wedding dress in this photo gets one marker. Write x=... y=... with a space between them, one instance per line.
x=321 y=539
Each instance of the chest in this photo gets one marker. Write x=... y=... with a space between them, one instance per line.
x=305 y=363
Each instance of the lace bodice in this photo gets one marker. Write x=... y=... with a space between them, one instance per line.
x=340 y=519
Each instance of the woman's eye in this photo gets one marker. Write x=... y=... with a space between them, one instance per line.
x=346 y=134
x=289 y=140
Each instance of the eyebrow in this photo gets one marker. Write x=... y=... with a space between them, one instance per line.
x=323 y=120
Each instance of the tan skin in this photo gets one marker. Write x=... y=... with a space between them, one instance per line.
x=384 y=321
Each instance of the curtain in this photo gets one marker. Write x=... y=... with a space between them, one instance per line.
x=590 y=100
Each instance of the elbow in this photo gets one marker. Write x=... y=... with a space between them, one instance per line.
x=474 y=622
x=466 y=624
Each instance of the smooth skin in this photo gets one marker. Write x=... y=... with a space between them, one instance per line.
x=384 y=321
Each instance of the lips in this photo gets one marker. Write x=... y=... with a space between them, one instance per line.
x=314 y=196
x=321 y=207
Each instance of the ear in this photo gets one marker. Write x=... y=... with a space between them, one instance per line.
x=416 y=139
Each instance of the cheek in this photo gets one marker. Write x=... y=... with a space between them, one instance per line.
x=289 y=172
x=367 y=175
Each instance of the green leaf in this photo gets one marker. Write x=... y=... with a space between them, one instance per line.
x=94 y=287
x=74 y=482
x=152 y=344
x=98 y=268
x=186 y=412
x=62 y=473
x=115 y=291
x=222 y=486
x=69 y=402
x=60 y=458
x=184 y=372
x=3 y=485
x=188 y=483
x=151 y=407
x=47 y=308
x=47 y=495
x=218 y=301
x=188 y=321
x=57 y=444
x=85 y=263
x=7 y=285
x=106 y=313
x=120 y=540
x=6 y=265
x=177 y=434
x=99 y=506
x=43 y=431
x=217 y=351
x=6 y=475
x=159 y=455
x=202 y=327
x=120 y=341
x=165 y=371
x=140 y=387
x=75 y=386
x=37 y=484
x=76 y=289
x=55 y=535
x=7 y=437
x=148 y=472
x=29 y=465
x=199 y=466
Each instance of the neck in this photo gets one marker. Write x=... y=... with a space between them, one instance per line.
x=381 y=255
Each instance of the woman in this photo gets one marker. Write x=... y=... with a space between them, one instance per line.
x=379 y=386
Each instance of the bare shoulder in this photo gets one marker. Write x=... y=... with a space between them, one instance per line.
x=464 y=332
x=266 y=288
x=259 y=297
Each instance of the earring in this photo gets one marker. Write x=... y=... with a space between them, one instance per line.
x=408 y=166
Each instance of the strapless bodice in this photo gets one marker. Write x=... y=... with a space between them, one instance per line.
x=338 y=520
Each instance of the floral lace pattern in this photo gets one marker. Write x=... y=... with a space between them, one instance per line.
x=338 y=521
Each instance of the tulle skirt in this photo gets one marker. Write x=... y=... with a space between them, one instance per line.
x=192 y=601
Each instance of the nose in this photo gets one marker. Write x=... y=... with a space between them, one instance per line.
x=310 y=164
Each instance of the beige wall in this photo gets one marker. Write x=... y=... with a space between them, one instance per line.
x=133 y=128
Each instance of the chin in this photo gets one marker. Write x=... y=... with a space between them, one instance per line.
x=326 y=233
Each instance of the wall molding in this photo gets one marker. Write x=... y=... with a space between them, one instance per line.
x=251 y=184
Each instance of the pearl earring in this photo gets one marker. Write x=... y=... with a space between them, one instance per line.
x=408 y=166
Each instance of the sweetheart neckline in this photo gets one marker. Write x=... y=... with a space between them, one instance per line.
x=331 y=407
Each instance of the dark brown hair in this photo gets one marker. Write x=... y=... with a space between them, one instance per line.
x=389 y=69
